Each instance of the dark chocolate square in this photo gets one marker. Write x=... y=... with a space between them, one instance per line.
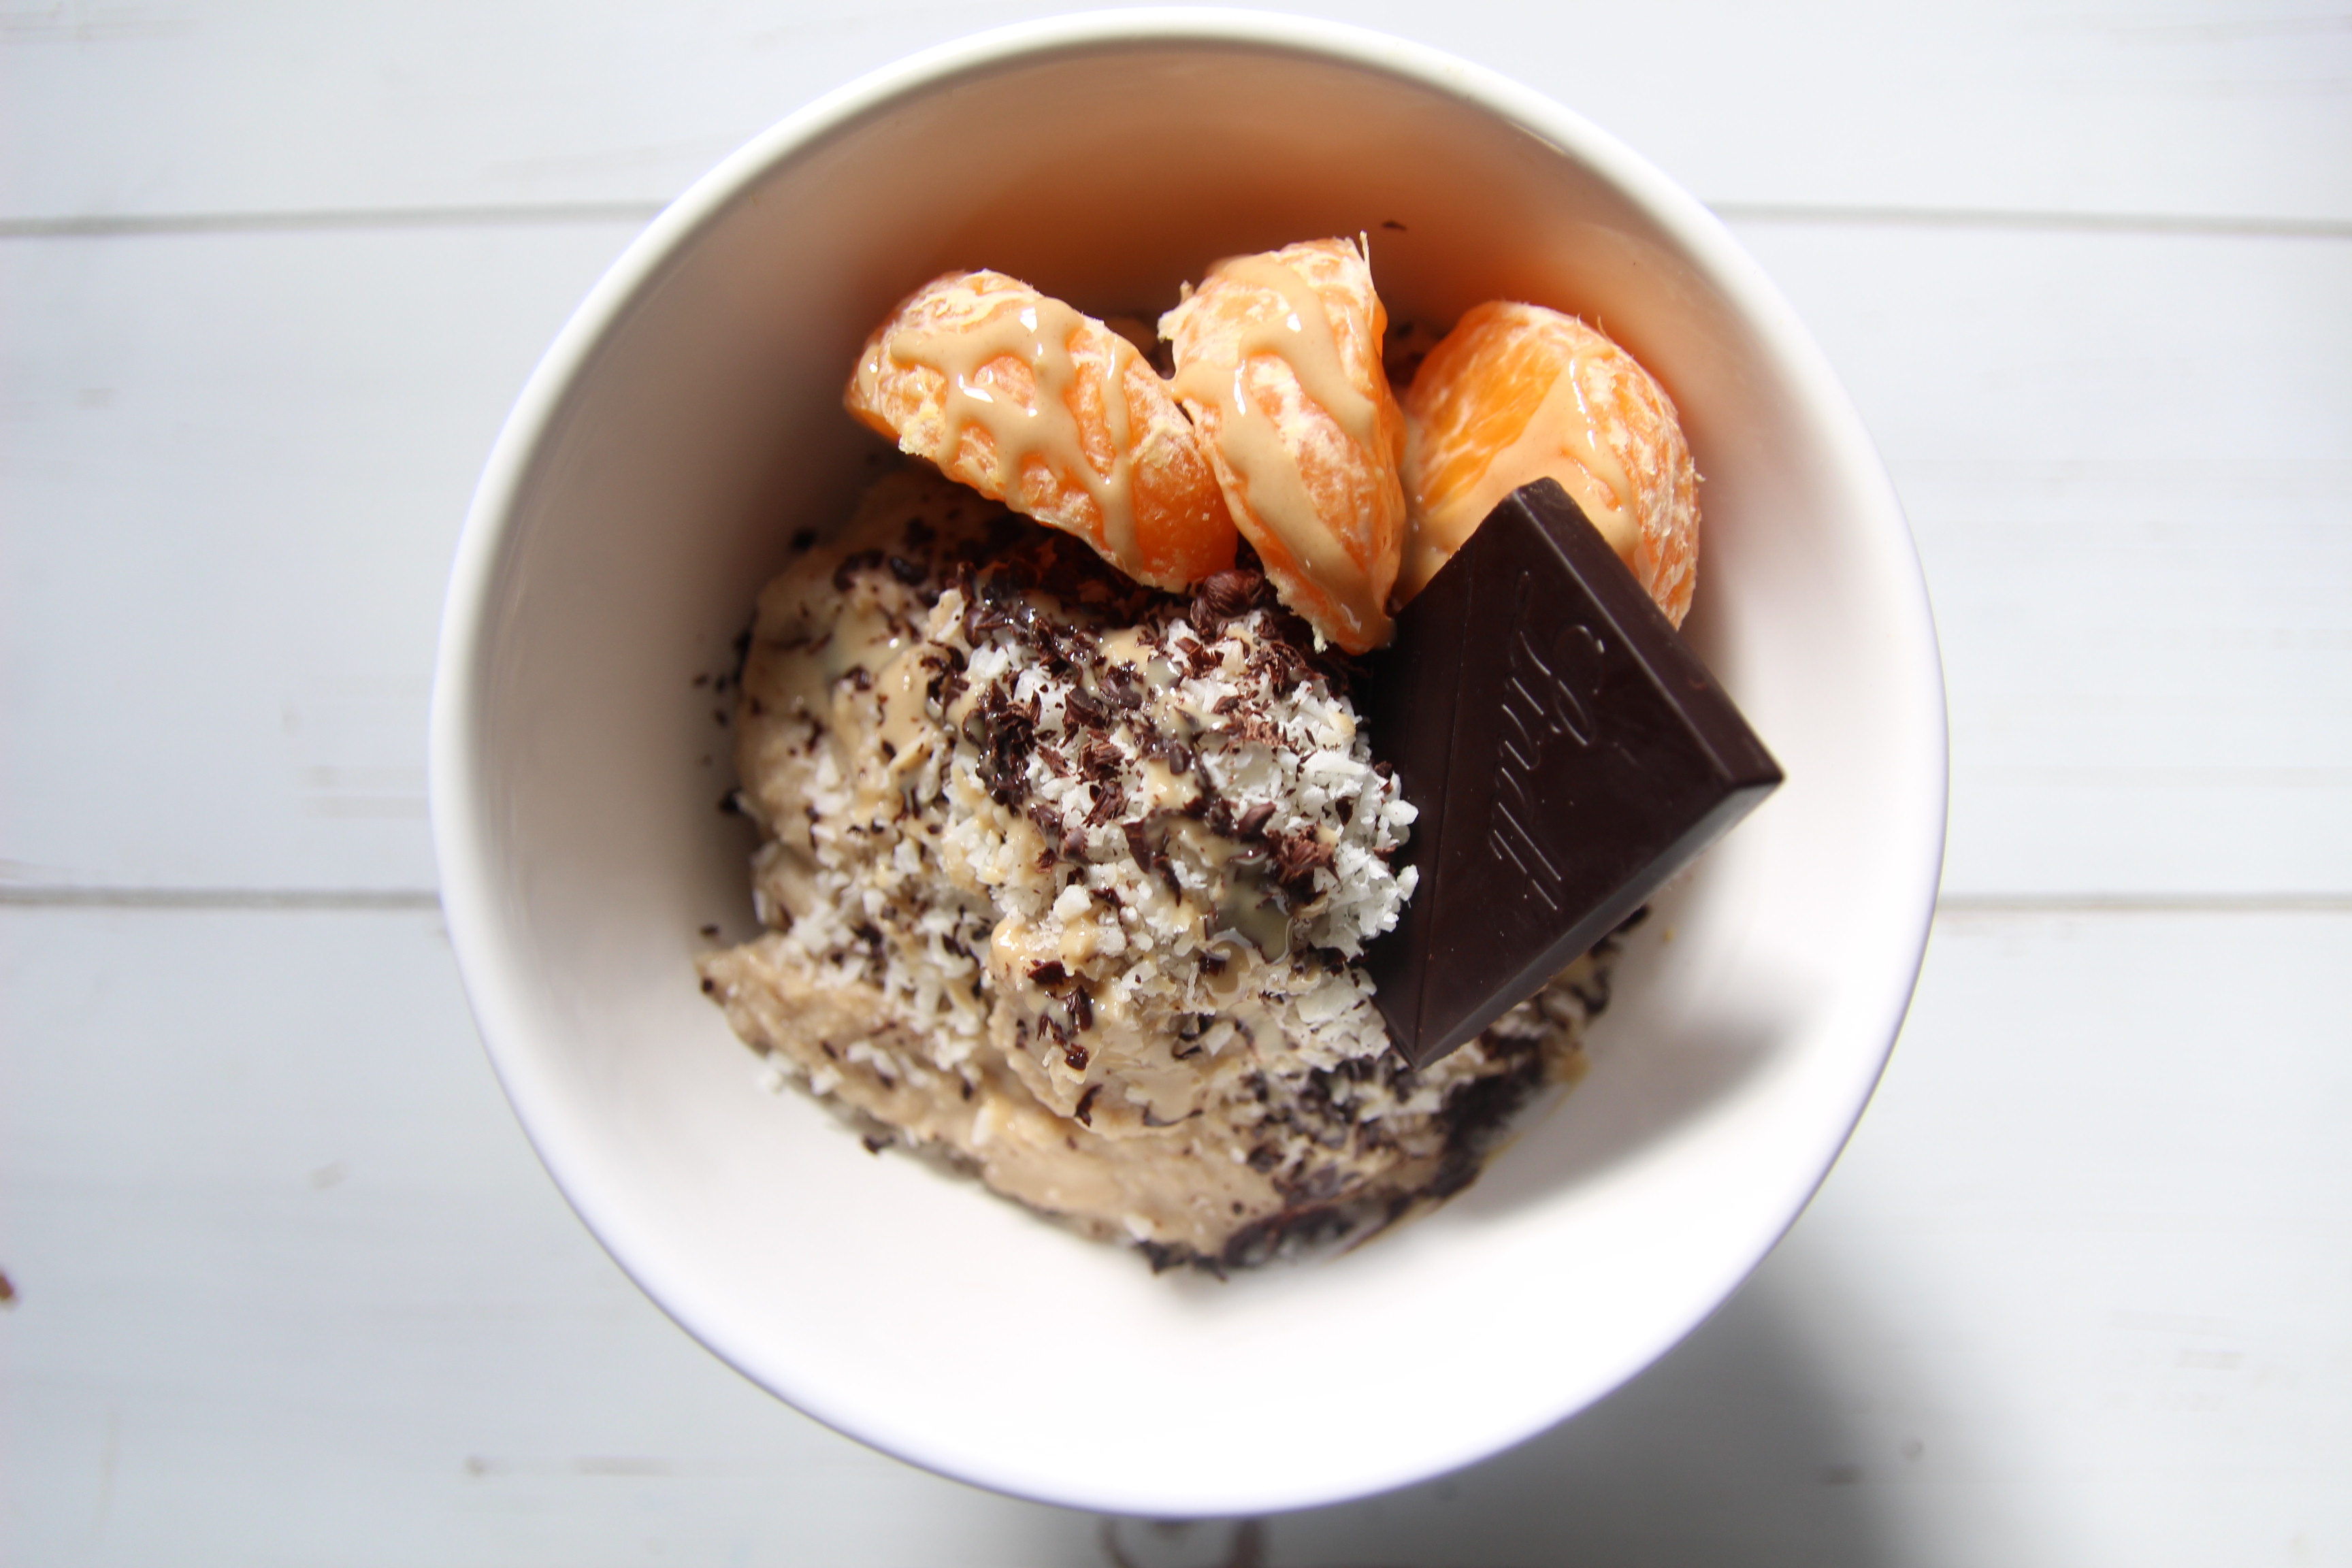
x=1568 y=753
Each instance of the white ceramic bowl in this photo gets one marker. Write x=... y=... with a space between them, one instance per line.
x=687 y=421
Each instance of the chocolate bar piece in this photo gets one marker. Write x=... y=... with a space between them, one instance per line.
x=1568 y=753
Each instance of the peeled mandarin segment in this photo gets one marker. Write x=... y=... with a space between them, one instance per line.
x=1278 y=362
x=1051 y=412
x=1517 y=392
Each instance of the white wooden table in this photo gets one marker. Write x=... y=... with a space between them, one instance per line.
x=288 y=1287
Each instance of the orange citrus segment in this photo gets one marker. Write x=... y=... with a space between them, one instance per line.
x=1278 y=362
x=1517 y=392
x=1030 y=402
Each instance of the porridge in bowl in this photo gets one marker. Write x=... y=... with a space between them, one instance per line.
x=1073 y=834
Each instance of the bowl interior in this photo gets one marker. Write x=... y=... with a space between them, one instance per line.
x=690 y=422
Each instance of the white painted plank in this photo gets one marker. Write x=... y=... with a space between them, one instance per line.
x=2104 y=1195
x=291 y=1290
x=208 y=106
x=2124 y=461
x=2077 y=1295
x=234 y=472
x=235 y=465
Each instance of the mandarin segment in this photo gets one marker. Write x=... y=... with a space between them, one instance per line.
x=1030 y=402
x=1519 y=393
x=1278 y=362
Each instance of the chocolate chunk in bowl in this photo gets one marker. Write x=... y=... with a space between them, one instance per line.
x=685 y=428
x=1564 y=768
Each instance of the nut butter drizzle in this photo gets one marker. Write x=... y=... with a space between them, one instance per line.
x=1302 y=338
x=1038 y=334
x=1564 y=428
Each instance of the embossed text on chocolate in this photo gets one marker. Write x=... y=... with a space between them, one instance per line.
x=1541 y=709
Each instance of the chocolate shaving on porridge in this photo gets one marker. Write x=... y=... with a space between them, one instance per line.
x=1066 y=879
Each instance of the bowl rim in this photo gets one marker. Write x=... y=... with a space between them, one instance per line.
x=469 y=892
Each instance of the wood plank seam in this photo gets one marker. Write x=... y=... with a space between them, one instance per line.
x=1963 y=905
x=109 y=225
x=122 y=226
x=330 y=899
x=2033 y=219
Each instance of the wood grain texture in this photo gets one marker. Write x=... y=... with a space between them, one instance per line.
x=2074 y=1297
x=2123 y=459
x=290 y=1288
x=235 y=468
x=232 y=497
x=240 y=106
